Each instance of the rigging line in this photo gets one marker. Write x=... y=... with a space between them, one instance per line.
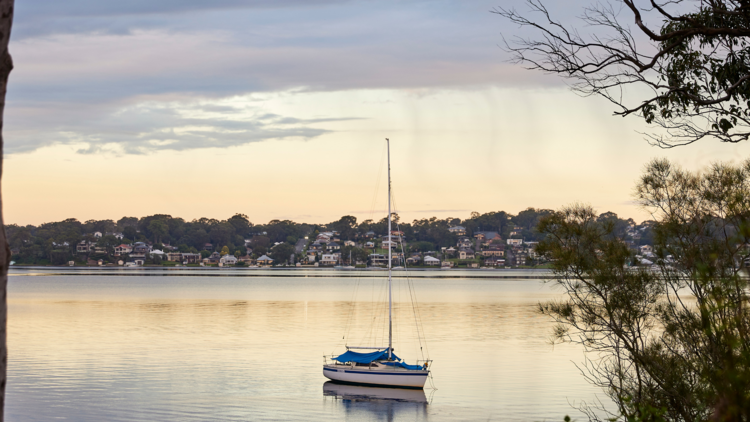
x=415 y=304
x=367 y=335
x=376 y=305
x=349 y=323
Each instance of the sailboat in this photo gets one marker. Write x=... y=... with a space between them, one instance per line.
x=380 y=366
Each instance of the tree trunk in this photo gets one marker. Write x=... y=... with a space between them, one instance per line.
x=6 y=65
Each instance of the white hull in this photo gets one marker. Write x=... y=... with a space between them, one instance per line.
x=390 y=377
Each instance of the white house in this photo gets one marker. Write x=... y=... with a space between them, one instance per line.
x=515 y=242
x=349 y=243
x=228 y=260
x=329 y=259
x=123 y=249
x=428 y=260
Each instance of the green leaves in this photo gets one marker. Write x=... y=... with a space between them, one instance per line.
x=670 y=342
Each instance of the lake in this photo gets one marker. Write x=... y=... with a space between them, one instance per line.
x=248 y=344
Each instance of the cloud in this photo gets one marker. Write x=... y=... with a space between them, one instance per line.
x=78 y=63
x=45 y=17
x=153 y=126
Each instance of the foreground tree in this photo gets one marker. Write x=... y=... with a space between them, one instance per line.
x=672 y=341
x=685 y=67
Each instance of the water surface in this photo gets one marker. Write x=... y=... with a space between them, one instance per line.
x=213 y=344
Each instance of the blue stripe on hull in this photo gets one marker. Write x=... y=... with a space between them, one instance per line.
x=346 y=371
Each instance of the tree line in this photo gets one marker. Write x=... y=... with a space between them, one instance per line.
x=55 y=242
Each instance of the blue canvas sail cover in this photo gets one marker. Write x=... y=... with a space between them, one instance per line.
x=405 y=365
x=350 y=356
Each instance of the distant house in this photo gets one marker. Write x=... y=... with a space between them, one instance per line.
x=484 y=238
x=247 y=259
x=333 y=246
x=191 y=258
x=515 y=242
x=450 y=251
x=370 y=234
x=495 y=250
x=140 y=248
x=378 y=260
x=369 y=245
x=413 y=260
x=212 y=259
x=264 y=261
x=458 y=230
x=328 y=259
x=228 y=259
x=174 y=256
x=465 y=242
x=98 y=235
x=645 y=249
x=123 y=249
x=349 y=243
x=83 y=247
x=115 y=234
x=520 y=258
x=466 y=254
x=428 y=260
x=208 y=247
x=494 y=261
x=389 y=244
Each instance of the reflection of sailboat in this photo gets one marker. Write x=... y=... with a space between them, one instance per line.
x=361 y=392
x=378 y=365
x=377 y=403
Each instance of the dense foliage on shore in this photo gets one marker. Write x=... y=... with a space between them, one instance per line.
x=55 y=242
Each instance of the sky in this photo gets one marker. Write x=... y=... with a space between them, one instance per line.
x=279 y=110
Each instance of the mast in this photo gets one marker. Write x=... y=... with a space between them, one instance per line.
x=390 y=257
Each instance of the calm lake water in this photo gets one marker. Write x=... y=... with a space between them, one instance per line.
x=244 y=344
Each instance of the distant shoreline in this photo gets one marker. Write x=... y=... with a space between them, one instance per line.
x=105 y=267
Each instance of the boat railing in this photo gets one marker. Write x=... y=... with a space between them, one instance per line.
x=330 y=360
